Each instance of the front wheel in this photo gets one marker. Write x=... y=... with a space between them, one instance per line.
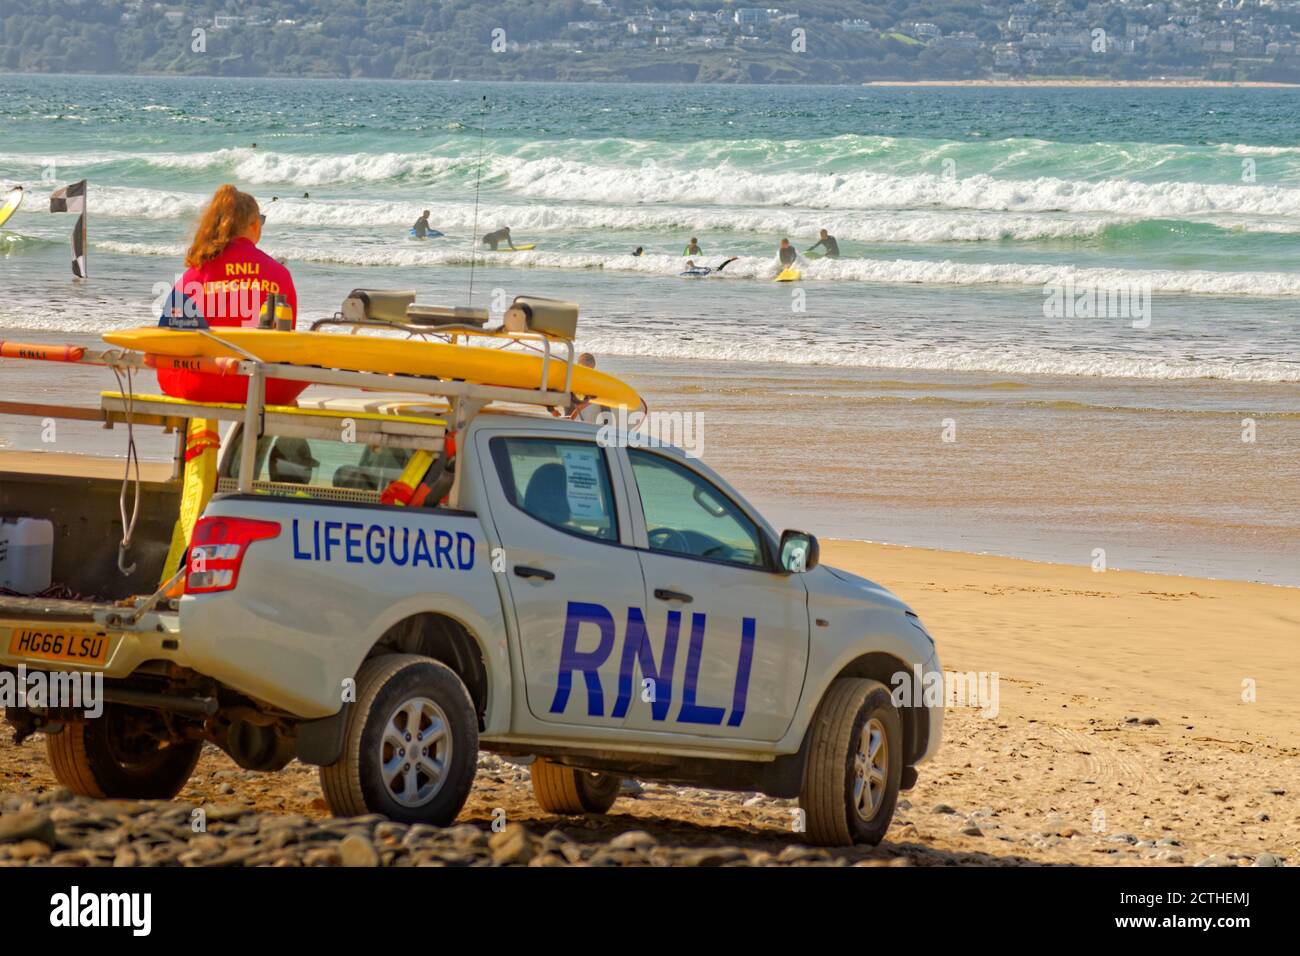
x=561 y=789
x=121 y=754
x=411 y=747
x=855 y=764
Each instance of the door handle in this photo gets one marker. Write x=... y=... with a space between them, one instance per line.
x=524 y=571
x=664 y=594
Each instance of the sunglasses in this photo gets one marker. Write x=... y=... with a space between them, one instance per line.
x=262 y=219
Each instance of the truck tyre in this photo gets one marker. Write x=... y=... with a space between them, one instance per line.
x=855 y=764
x=411 y=745
x=561 y=789
x=104 y=758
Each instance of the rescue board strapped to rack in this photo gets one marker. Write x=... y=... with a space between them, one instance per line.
x=467 y=377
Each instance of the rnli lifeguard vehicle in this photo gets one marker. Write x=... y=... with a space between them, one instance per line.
x=435 y=559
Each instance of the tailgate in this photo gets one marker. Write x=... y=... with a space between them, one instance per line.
x=49 y=634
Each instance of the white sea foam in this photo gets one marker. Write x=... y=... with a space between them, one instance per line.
x=555 y=178
x=967 y=358
x=699 y=183
x=880 y=271
x=910 y=226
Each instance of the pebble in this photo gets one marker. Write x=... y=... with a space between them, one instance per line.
x=942 y=808
x=1267 y=859
x=358 y=851
x=513 y=845
x=27 y=825
x=1216 y=859
x=633 y=840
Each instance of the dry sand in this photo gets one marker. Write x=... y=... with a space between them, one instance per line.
x=1061 y=774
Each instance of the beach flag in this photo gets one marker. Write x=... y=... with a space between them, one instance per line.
x=72 y=198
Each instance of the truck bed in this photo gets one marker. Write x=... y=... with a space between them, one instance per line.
x=87 y=527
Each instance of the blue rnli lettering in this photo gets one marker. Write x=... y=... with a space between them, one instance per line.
x=588 y=662
x=638 y=654
x=691 y=712
x=747 y=628
x=637 y=650
x=358 y=543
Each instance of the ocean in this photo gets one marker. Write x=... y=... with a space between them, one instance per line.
x=1064 y=320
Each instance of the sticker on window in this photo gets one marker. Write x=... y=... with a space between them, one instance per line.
x=582 y=482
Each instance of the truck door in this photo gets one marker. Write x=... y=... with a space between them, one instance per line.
x=570 y=577
x=726 y=636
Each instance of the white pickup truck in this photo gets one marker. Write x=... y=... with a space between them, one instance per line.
x=612 y=611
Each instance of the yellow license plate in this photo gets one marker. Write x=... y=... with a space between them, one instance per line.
x=69 y=644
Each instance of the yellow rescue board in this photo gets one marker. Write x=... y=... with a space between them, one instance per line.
x=369 y=353
x=522 y=248
x=789 y=275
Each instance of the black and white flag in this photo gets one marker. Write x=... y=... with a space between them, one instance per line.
x=72 y=198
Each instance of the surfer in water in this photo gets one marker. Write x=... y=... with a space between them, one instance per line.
x=787 y=254
x=422 y=227
x=494 y=239
x=828 y=244
x=639 y=251
x=698 y=272
x=693 y=248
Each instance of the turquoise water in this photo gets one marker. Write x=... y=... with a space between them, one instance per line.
x=1188 y=193
x=957 y=211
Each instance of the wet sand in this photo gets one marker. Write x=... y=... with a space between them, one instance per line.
x=1050 y=468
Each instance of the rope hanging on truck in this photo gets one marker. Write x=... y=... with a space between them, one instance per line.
x=127 y=389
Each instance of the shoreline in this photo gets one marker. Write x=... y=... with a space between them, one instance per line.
x=159 y=470
x=1186 y=83
x=1094 y=84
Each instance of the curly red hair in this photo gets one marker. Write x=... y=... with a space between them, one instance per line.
x=228 y=214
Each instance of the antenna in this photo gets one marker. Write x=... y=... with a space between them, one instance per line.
x=478 y=175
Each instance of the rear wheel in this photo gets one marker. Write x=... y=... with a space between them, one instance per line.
x=121 y=754
x=855 y=764
x=411 y=748
x=561 y=789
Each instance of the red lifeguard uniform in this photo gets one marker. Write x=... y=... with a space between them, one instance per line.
x=228 y=291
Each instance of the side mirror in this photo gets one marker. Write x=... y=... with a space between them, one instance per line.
x=799 y=551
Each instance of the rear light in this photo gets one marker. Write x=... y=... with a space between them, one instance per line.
x=217 y=549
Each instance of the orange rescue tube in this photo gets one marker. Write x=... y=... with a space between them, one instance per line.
x=41 y=351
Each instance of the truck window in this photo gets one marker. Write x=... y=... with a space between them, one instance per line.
x=564 y=484
x=688 y=515
x=321 y=463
